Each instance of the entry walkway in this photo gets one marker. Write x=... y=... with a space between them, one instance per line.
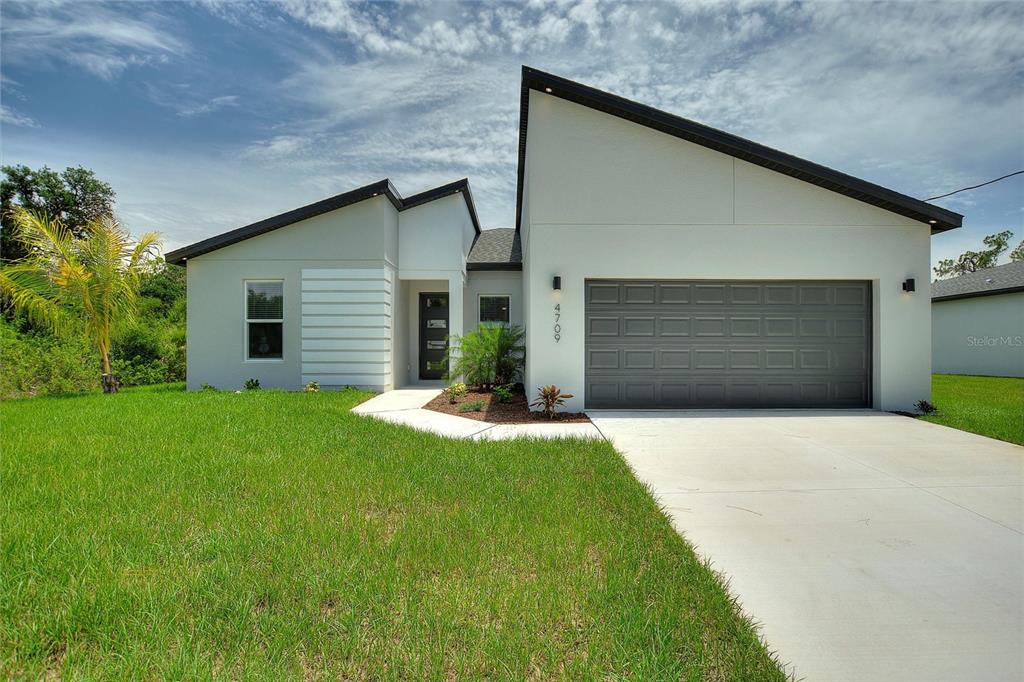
x=405 y=406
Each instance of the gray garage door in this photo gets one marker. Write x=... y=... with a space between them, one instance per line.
x=689 y=344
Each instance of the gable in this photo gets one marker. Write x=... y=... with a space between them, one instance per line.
x=383 y=189
x=539 y=83
x=611 y=171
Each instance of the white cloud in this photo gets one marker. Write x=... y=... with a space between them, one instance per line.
x=89 y=35
x=11 y=117
x=209 y=106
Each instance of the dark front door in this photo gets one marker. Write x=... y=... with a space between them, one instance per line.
x=433 y=335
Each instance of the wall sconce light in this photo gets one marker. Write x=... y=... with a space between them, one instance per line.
x=908 y=285
x=556 y=283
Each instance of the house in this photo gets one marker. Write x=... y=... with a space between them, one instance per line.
x=654 y=263
x=978 y=322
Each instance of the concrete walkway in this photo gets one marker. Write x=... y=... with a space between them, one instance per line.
x=869 y=546
x=405 y=406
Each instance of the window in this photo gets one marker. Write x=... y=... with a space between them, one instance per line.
x=264 y=320
x=495 y=309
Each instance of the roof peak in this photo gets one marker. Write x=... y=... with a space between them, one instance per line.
x=939 y=218
x=380 y=187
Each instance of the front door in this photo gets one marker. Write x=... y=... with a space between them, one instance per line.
x=433 y=335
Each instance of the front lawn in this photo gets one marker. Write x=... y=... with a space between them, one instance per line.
x=990 y=406
x=164 y=534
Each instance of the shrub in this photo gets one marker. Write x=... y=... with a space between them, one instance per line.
x=39 y=364
x=549 y=399
x=487 y=356
x=454 y=392
x=207 y=387
x=312 y=387
x=473 y=406
x=925 y=407
x=252 y=384
x=503 y=393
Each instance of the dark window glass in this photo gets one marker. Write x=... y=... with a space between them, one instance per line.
x=494 y=309
x=264 y=300
x=265 y=340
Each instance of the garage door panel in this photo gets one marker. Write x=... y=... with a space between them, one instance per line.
x=638 y=326
x=679 y=344
x=674 y=326
x=673 y=293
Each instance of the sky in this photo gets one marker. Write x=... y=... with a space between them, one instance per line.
x=211 y=114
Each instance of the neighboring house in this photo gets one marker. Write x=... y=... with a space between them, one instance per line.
x=978 y=322
x=655 y=262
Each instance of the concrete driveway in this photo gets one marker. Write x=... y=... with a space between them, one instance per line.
x=869 y=546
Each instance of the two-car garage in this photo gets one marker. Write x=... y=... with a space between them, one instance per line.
x=724 y=344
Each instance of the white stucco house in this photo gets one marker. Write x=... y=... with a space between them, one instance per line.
x=654 y=263
x=978 y=322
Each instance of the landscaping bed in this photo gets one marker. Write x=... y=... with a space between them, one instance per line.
x=515 y=411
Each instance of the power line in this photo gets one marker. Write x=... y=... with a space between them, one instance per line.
x=964 y=189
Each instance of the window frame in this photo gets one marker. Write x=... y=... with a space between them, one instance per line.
x=479 y=308
x=246 y=321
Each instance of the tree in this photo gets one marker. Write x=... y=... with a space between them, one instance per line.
x=76 y=197
x=1018 y=253
x=66 y=280
x=972 y=261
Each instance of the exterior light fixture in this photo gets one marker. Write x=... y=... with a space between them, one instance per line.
x=933 y=221
x=556 y=283
x=547 y=90
x=908 y=285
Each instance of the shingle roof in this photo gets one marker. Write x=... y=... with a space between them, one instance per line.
x=1001 y=279
x=939 y=218
x=496 y=249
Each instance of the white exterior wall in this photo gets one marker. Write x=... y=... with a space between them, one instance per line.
x=360 y=236
x=613 y=199
x=434 y=237
x=983 y=335
x=500 y=283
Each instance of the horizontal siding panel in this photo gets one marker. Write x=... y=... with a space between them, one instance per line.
x=346 y=344
x=378 y=368
x=346 y=321
x=346 y=332
x=346 y=285
x=345 y=309
x=346 y=297
x=345 y=356
x=347 y=273
x=348 y=379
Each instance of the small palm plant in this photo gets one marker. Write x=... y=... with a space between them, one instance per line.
x=66 y=281
x=487 y=356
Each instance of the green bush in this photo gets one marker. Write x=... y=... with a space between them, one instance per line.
x=487 y=356
x=474 y=406
x=39 y=364
x=454 y=392
x=151 y=352
x=503 y=393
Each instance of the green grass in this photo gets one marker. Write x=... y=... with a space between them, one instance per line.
x=164 y=534
x=990 y=406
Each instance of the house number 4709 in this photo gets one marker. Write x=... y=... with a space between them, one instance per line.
x=558 y=327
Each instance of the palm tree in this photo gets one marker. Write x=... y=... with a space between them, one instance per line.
x=90 y=282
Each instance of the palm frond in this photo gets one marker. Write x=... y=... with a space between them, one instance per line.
x=30 y=290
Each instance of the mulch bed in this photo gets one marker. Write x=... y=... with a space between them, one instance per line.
x=515 y=412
